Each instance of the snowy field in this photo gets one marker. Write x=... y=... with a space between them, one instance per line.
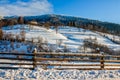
x=70 y=37
x=40 y=74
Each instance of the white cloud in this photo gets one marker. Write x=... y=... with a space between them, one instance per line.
x=22 y=8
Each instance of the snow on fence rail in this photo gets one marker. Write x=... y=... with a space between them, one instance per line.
x=46 y=59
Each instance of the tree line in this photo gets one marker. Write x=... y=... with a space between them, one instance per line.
x=58 y=20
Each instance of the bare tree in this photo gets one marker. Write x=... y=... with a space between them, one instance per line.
x=20 y=20
x=56 y=23
x=22 y=33
x=1 y=34
x=59 y=42
x=47 y=25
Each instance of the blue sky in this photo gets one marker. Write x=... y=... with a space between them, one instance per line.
x=105 y=10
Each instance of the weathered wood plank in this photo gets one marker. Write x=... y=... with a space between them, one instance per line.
x=19 y=54
x=112 y=65
x=56 y=64
x=66 y=59
x=16 y=68
x=69 y=54
x=87 y=68
x=17 y=63
x=20 y=59
x=77 y=68
x=112 y=60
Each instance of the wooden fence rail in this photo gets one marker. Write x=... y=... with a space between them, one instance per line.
x=59 y=61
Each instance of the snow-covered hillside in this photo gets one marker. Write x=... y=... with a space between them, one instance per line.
x=70 y=37
x=76 y=37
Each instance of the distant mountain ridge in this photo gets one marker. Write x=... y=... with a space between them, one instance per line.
x=61 y=17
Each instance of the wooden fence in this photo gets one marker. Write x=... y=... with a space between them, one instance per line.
x=59 y=61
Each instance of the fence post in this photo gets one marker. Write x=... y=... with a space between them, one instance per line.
x=34 y=58
x=102 y=61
